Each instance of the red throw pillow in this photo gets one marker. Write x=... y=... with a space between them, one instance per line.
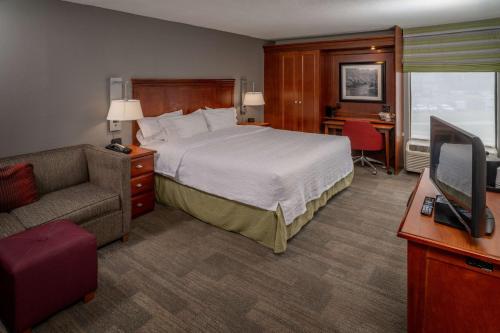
x=17 y=186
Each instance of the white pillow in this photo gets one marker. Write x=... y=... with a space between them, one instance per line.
x=150 y=127
x=220 y=118
x=184 y=126
x=157 y=138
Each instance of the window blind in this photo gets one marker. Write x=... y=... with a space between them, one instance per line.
x=458 y=47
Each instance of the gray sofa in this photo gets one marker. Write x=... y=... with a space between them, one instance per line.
x=86 y=184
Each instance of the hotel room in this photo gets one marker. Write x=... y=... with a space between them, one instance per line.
x=249 y=166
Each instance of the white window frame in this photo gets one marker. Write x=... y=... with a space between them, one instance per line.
x=408 y=114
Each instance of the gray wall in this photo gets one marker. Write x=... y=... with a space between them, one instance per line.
x=56 y=59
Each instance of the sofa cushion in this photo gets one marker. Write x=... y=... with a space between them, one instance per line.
x=9 y=225
x=17 y=186
x=78 y=203
x=55 y=169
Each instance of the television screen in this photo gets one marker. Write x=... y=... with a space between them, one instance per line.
x=458 y=169
x=453 y=170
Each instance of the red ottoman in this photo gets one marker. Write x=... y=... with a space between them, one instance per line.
x=43 y=270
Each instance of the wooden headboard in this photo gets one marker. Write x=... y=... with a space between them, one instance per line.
x=159 y=96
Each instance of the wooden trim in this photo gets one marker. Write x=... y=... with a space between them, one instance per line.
x=159 y=96
x=382 y=41
x=89 y=297
x=399 y=99
x=182 y=82
x=408 y=204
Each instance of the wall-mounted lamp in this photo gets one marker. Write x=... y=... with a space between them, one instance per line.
x=252 y=98
x=122 y=109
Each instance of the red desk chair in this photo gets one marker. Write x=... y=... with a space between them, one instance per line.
x=364 y=137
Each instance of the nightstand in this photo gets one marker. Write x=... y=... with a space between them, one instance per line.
x=142 y=180
x=256 y=123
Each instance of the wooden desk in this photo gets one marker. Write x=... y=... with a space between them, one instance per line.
x=445 y=292
x=337 y=124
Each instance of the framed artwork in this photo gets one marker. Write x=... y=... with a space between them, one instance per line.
x=362 y=82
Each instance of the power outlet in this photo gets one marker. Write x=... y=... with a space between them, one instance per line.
x=115 y=125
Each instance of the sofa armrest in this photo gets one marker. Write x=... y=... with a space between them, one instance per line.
x=111 y=170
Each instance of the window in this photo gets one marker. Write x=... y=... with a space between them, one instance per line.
x=467 y=100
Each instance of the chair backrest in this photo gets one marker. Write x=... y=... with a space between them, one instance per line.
x=55 y=169
x=363 y=135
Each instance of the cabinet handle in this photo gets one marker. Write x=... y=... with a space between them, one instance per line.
x=300 y=102
x=294 y=102
x=138 y=185
x=139 y=204
x=139 y=166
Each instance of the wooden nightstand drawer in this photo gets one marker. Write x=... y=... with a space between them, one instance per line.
x=142 y=184
x=143 y=203
x=142 y=166
x=142 y=180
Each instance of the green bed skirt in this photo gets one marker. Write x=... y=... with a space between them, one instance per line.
x=266 y=227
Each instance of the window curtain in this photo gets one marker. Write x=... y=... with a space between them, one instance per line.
x=458 y=47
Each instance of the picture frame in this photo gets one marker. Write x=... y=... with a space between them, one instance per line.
x=362 y=82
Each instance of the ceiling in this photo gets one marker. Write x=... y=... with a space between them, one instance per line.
x=285 y=19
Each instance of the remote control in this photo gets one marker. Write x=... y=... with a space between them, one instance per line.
x=428 y=206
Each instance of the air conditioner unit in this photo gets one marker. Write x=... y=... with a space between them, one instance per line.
x=417 y=155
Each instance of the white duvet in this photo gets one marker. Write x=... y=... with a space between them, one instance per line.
x=258 y=166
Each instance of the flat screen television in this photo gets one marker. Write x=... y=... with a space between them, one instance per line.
x=458 y=169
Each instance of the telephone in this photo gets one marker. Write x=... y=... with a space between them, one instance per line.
x=119 y=148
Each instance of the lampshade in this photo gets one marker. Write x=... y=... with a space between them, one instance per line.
x=123 y=110
x=253 y=99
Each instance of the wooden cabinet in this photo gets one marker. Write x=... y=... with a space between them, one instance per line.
x=292 y=88
x=302 y=79
x=453 y=279
x=142 y=180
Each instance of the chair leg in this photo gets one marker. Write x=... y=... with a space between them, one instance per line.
x=374 y=169
x=375 y=161
x=89 y=297
x=357 y=159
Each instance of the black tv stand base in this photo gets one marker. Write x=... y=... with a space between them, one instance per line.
x=443 y=214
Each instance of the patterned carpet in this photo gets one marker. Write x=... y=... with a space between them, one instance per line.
x=344 y=272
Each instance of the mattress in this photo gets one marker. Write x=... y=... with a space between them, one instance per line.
x=258 y=166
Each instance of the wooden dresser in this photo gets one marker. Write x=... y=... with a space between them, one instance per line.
x=142 y=180
x=453 y=279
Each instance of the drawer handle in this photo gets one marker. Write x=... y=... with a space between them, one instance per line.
x=138 y=185
x=140 y=204
x=139 y=166
x=485 y=266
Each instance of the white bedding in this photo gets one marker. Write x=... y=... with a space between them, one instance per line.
x=258 y=166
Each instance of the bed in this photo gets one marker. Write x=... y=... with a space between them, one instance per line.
x=263 y=183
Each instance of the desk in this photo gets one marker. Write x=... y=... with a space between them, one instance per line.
x=337 y=124
x=447 y=292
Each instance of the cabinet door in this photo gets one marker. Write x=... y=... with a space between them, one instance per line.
x=289 y=96
x=272 y=89
x=309 y=91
